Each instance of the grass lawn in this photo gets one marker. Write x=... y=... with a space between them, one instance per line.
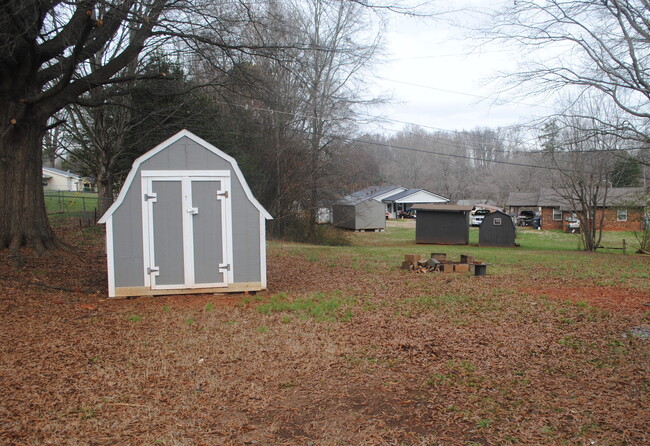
x=74 y=203
x=345 y=348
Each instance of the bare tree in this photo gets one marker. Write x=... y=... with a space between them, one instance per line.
x=579 y=154
x=44 y=48
x=48 y=60
x=331 y=67
x=53 y=143
x=596 y=46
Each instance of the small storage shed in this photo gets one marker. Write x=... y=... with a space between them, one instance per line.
x=185 y=221
x=442 y=224
x=497 y=229
x=359 y=214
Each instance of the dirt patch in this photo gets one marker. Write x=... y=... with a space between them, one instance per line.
x=610 y=298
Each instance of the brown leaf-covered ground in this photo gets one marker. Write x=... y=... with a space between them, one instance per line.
x=361 y=353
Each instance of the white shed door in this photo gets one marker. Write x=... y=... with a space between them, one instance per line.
x=187 y=230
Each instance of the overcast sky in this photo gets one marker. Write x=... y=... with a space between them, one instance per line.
x=439 y=78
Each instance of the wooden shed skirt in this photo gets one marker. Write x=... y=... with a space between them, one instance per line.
x=146 y=291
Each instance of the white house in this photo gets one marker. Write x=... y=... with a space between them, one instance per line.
x=57 y=179
x=402 y=201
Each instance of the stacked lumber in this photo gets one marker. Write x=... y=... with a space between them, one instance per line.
x=438 y=263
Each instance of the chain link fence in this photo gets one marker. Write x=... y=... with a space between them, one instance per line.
x=74 y=204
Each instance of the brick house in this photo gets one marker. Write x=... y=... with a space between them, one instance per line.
x=624 y=209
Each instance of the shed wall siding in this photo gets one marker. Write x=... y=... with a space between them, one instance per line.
x=185 y=154
x=444 y=228
x=343 y=216
x=127 y=240
x=370 y=215
x=501 y=235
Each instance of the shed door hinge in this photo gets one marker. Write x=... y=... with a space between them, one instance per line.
x=153 y=269
x=226 y=266
x=222 y=194
x=152 y=196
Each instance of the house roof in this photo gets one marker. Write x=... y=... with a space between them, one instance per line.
x=522 y=199
x=373 y=192
x=443 y=207
x=482 y=202
x=163 y=145
x=64 y=173
x=351 y=201
x=403 y=197
x=549 y=197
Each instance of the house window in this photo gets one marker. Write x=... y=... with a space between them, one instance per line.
x=557 y=214
x=621 y=215
x=496 y=221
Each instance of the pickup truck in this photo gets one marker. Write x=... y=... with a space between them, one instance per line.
x=476 y=218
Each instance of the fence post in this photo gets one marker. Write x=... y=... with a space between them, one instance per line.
x=623 y=246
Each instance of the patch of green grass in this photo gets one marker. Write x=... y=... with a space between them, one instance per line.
x=438 y=379
x=208 y=307
x=133 y=318
x=484 y=423
x=263 y=329
x=86 y=413
x=167 y=308
x=319 y=306
x=190 y=321
x=571 y=342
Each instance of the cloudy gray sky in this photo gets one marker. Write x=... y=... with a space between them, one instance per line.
x=439 y=77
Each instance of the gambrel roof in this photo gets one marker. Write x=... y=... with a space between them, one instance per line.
x=167 y=143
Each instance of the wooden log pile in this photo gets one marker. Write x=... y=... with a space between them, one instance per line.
x=438 y=263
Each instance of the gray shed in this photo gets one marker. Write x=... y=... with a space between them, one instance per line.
x=185 y=221
x=497 y=229
x=442 y=224
x=359 y=214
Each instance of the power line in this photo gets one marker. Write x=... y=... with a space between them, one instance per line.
x=430 y=137
x=392 y=146
x=438 y=56
x=428 y=87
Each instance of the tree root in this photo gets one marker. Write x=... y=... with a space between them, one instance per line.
x=16 y=258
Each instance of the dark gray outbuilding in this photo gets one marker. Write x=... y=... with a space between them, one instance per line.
x=442 y=224
x=497 y=229
x=359 y=214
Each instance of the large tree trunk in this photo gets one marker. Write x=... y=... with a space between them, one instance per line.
x=23 y=218
x=104 y=191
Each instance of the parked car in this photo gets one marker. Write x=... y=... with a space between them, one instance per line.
x=525 y=218
x=573 y=224
x=477 y=217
